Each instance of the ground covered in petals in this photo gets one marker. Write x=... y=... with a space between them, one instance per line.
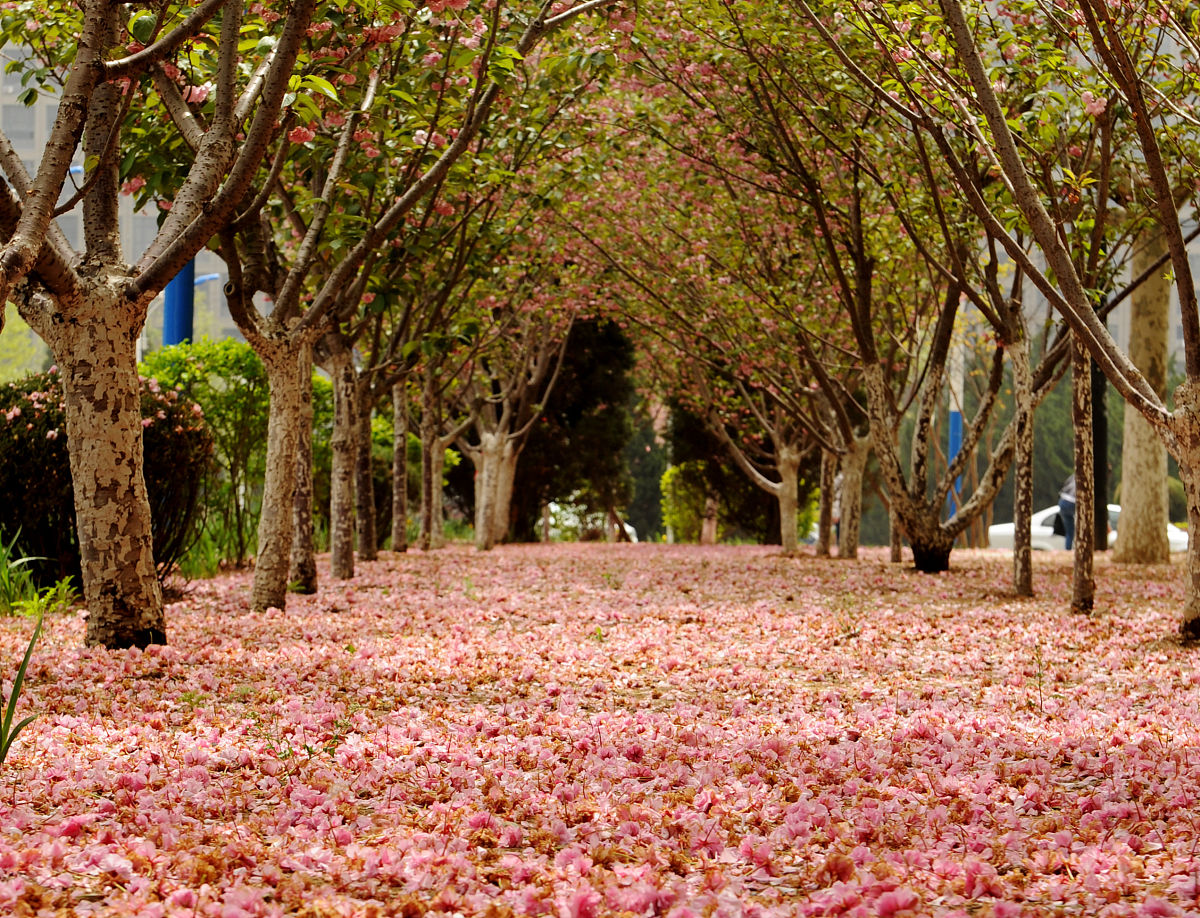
x=600 y=730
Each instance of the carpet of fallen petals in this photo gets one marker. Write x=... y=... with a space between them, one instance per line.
x=595 y=730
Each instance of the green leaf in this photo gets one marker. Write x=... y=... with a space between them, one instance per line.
x=141 y=26
x=321 y=85
x=306 y=107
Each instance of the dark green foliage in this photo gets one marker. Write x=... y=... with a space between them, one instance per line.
x=35 y=478
x=646 y=460
x=576 y=450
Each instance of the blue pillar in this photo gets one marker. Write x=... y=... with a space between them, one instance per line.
x=955 y=433
x=955 y=444
x=180 y=306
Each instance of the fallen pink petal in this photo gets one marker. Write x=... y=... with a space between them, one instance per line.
x=728 y=732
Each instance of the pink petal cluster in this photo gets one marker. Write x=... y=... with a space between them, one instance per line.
x=599 y=730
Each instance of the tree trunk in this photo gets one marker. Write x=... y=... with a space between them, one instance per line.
x=1083 y=588
x=428 y=446
x=854 y=466
x=788 y=466
x=895 y=537
x=895 y=526
x=364 y=484
x=433 y=460
x=96 y=358
x=302 y=573
x=487 y=469
x=932 y=556
x=1142 y=531
x=437 y=514
x=275 y=522
x=506 y=477
x=399 y=467
x=708 y=526
x=344 y=448
x=1023 y=468
x=829 y=463
x=1187 y=435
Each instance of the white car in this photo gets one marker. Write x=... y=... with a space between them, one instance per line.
x=1045 y=538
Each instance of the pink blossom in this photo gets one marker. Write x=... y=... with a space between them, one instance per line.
x=1093 y=105
x=301 y=134
x=197 y=94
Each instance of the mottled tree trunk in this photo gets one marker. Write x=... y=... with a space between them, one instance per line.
x=1083 y=587
x=788 y=466
x=487 y=466
x=437 y=513
x=344 y=448
x=433 y=459
x=96 y=358
x=829 y=463
x=854 y=466
x=275 y=522
x=1023 y=468
x=708 y=525
x=1187 y=435
x=506 y=478
x=895 y=537
x=399 y=467
x=364 y=483
x=428 y=477
x=495 y=468
x=1145 y=506
x=302 y=573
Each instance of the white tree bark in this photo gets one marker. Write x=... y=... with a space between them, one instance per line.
x=495 y=461
x=708 y=525
x=1142 y=532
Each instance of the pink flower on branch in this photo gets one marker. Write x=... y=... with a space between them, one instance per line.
x=1093 y=105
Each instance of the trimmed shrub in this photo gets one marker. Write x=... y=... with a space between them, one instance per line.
x=36 y=500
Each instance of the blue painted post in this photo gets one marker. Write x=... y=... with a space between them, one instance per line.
x=957 y=374
x=179 y=307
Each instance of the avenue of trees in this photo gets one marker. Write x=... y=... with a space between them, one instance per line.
x=511 y=230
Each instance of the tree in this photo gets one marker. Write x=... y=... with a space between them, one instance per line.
x=898 y=258
x=1135 y=82
x=313 y=279
x=1141 y=537
x=90 y=309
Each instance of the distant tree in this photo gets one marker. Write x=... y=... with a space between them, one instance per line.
x=744 y=511
x=577 y=446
